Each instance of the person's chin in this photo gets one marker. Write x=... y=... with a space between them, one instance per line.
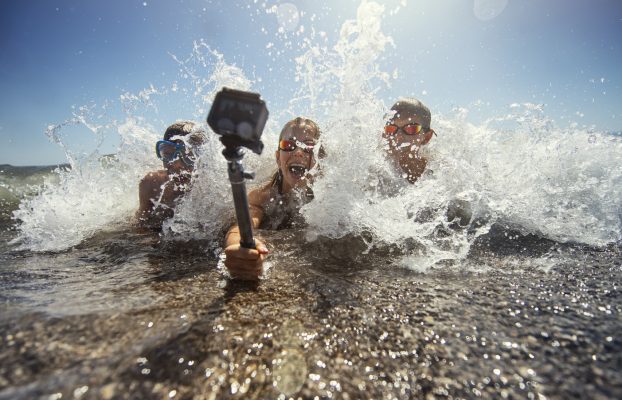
x=293 y=180
x=297 y=182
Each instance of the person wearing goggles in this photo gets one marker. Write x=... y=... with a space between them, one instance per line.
x=406 y=132
x=159 y=191
x=275 y=204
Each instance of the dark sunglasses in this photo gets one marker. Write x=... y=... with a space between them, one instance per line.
x=409 y=129
x=291 y=145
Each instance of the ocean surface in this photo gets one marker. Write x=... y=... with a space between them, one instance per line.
x=124 y=314
x=497 y=275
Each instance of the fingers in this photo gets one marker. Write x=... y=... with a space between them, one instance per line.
x=261 y=248
x=241 y=253
x=243 y=263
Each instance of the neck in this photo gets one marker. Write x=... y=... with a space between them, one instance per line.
x=298 y=189
x=180 y=178
x=413 y=167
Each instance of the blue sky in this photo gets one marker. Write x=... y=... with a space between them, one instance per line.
x=566 y=54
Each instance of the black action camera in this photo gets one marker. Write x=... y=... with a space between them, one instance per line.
x=239 y=117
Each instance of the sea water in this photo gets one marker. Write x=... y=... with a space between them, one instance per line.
x=495 y=273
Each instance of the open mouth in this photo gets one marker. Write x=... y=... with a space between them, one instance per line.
x=298 y=170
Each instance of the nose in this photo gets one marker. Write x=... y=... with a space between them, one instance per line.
x=299 y=151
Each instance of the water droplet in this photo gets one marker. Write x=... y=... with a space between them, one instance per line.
x=486 y=10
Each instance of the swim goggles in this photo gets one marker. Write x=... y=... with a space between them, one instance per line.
x=409 y=129
x=170 y=151
x=291 y=145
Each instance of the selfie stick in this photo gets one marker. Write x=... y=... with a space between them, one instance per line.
x=237 y=178
x=239 y=117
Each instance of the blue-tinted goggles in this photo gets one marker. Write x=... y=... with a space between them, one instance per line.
x=170 y=151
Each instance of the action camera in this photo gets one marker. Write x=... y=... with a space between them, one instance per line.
x=239 y=117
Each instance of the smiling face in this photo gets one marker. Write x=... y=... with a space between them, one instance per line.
x=295 y=157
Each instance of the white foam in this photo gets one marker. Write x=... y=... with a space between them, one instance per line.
x=520 y=169
x=100 y=193
x=561 y=183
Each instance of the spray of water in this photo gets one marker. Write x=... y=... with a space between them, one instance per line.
x=520 y=169
x=100 y=192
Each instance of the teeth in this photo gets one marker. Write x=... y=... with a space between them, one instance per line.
x=297 y=169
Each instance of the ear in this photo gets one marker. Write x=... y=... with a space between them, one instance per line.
x=277 y=154
x=428 y=136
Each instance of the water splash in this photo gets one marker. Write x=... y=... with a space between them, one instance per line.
x=520 y=169
x=100 y=192
x=531 y=176
x=340 y=86
x=93 y=194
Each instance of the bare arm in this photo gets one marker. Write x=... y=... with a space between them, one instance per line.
x=146 y=191
x=150 y=189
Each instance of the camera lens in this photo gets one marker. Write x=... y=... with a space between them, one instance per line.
x=226 y=125
x=245 y=130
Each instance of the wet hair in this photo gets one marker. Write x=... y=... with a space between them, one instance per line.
x=303 y=124
x=179 y=128
x=412 y=106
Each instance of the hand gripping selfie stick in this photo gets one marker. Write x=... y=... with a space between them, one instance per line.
x=239 y=117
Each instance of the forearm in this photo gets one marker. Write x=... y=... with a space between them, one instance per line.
x=233 y=236
x=144 y=213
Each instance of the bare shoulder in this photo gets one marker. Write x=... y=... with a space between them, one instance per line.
x=153 y=180
x=149 y=188
x=260 y=195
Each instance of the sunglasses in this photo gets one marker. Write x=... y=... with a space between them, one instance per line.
x=291 y=145
x=170 y=151
x=409 y=129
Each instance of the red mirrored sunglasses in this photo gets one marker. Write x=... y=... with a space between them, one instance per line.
x=291 y=145
x=409 y=129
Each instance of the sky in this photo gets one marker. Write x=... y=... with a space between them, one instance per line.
x=481 y=55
